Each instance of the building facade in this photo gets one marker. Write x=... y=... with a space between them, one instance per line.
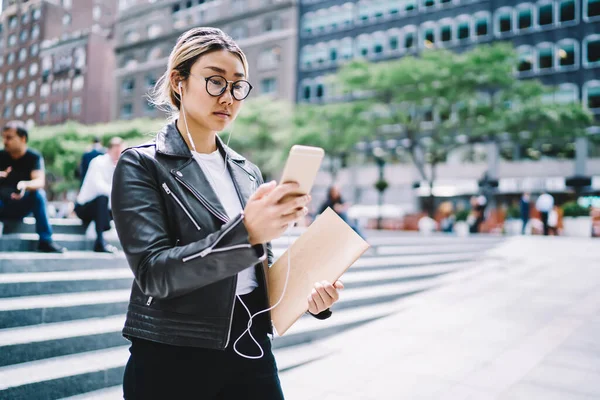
x=49 y=50
x=558 y=42
x=147 y=30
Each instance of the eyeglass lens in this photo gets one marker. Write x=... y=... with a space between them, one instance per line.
x=216 y=85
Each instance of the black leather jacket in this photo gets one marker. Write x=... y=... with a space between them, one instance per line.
x=184 y=251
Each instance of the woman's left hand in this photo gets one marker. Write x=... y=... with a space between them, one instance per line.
x=323 y=295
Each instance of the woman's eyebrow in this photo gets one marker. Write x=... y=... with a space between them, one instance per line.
x=222 y=71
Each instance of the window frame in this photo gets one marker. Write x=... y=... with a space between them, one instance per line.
x=489 y=25
x=538 y=6
x=425 y=26
x=567 y=23
x=526 y=6
x=533 y=69
x=576 y=54
x=442 y=24
x=499 y=13
x=584 y=52
x=585 y=93
x=538 y=48
x=585 y=12
x=468 y=20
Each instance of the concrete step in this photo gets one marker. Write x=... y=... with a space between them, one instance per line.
x=19 y=242
x=31 y=310
x=17 y=262
x=62 y=376
x=41 y=283
x=59 y=225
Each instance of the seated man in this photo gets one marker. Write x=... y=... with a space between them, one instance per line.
x=93 y=199
x=22 y=181
x=86 y=159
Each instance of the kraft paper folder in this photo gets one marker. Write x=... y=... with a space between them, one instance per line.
x=323 y=252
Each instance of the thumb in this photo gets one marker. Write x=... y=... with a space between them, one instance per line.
x=263 y=190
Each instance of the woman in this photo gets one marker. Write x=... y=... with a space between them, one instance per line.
x=195 y=226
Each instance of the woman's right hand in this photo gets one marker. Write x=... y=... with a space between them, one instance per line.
x=266 y=218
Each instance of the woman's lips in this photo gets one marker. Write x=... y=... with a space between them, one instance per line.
x=221 y=115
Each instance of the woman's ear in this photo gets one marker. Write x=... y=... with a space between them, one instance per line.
x=176 y=82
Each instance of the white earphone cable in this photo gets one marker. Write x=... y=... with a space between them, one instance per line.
x=250 y=315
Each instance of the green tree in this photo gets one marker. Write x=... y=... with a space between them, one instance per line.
x=335 y=127
x=442 y=100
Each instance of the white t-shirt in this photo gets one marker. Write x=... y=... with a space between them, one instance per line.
x=545 y=202
x=219 y=177
x=98 y=180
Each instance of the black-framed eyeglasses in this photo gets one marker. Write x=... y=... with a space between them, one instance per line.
x=216 y=85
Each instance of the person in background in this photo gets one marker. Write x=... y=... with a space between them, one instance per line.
x=553 y=221
x=524 y=205
x=22 y=181
x=545 y=204
x=478 y=205
x=93 y=200
x=446 y=211
x=97 y=150
x=336 y=203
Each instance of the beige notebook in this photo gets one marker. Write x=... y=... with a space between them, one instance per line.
x=324 y=252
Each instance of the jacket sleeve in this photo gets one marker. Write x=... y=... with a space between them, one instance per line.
x=162 y=270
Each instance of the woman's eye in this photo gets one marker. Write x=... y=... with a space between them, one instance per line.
x=216 y=82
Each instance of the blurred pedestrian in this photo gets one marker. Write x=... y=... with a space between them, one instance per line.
x=553 y=221
x=336 y=203
x=22 y=181
x=545 y=204
x=93 y=200
x=96 y=150
x=524 y=206
x=477 y=217
x=446 y=211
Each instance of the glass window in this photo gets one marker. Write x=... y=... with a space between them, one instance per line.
x=9 y=94
x=126 y=110
x=24 y=36
x=269 y=58
x=22 y=55
x=428 y=36
x=78 y=82
x=525 y=59
x=409 y=40
x=428 y=3
x=30 y=108
x=10 y=75
x=268 y=85
x=33 y=69
x=149 y=109
x=393 y=43
x=19 y=109
x=37 y=13
x=1 y=78
x=7 y=112
x=545 y=56
x=446 y=33
x=239 y=32
x=12 y=40
x=319 y=91
x=176 y=8
x=592 y=95
x=463 y=29
x=76 y=106
x=153 y=31
x=10 y=58
x=66 y=20
x=33 y=50
x=566 y=11
x=150 y=81
x=24 y=19
x=12 y=22
x=333 y=54
x=504 y=21
x=67 y=3
x=35 y=32
x=128 y=85
x=524 y=18
x=592 y=8
x=481 y=25
x=97 y=13
x=592 y=50
x=546 y=14
x=43 y=112
x=31 y=88
x=20 y=92
x=272 y=24
x=410 y=5
x=44 y=90
x=566 y=53
x=306 y=92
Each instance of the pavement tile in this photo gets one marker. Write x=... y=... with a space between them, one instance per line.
x=567 y=379
x=534 y=391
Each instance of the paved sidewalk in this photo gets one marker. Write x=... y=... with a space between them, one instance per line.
x=524 y=324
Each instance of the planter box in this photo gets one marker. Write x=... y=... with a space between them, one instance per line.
x=513 y=226
x=577 y=226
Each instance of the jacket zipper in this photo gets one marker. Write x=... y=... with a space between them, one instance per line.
x=210 y=249
x=169 y=192
x=231 y=314
x=149 y=300
x=201 y=200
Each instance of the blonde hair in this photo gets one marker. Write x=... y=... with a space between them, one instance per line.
x=190 y=46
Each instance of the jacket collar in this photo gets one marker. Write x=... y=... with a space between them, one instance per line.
x=169 y=141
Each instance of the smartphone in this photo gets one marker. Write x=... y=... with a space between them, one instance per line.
x=302 y=166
